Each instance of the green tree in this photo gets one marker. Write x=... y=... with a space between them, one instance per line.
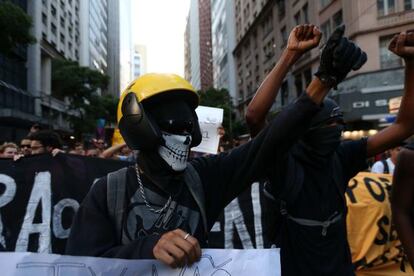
x=219 y=98
x=15 y=27
x=81 y=86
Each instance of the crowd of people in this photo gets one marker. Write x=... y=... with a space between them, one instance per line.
x=299 y=154
x=40 y=141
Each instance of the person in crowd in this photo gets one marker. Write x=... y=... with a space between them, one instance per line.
x=402 y=200
x=34 y=128
x=309 y=181
x=78 y=149
x=164 y=206
x=118 y=152
x=8 y=150
x=387 y=165
x=99 y=145
x=24 y=148
x=92 y=152
x=45 y=141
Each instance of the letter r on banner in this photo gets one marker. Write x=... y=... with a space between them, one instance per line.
x=5 y=198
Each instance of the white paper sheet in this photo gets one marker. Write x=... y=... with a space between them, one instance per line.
x=217 y=262
x=209 y=118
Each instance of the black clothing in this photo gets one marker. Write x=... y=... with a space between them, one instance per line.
x=223 y=177
x=304 y=249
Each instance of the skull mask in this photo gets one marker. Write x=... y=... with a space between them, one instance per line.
x=175 y=150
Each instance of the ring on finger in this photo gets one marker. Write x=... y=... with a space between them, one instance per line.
x=186 y=236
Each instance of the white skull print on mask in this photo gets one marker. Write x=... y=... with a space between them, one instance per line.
x=175 y=150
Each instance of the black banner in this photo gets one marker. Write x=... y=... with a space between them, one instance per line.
x=40 y=194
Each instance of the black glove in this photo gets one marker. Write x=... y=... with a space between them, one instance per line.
x=338 y=58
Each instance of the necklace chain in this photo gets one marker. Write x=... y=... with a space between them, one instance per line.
x=141 y=189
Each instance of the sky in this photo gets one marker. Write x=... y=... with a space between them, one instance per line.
x=160 y=26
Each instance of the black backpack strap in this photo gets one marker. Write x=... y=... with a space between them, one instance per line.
x=115 y=197
x=193 y=182
x=386 y=167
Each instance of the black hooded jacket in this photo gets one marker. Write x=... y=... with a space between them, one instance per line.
x=223 y=178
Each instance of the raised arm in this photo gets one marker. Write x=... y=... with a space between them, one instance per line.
x=301 y=39
x=402 y=201
x=403 y=46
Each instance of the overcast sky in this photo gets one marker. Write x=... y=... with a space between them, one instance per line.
x=160 y=26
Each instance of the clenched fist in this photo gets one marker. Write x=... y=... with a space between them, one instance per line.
x=303 y=38
x=177 y=249
x=403 y=45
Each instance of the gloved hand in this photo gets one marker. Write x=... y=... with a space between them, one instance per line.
x=338 y=58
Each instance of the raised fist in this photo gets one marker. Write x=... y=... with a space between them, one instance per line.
x=403 y=45
x=303 y=38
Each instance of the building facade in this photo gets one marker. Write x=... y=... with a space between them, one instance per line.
x=223 y=43
x=16 y=104
x=139 y=61
x=198 y=46
x=262 y=30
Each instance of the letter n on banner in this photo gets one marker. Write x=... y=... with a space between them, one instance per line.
x=41 y=193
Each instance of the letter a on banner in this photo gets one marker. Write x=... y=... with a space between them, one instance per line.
x=5 y=198
x=41 y=193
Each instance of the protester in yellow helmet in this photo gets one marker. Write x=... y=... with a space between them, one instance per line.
x=163 y=206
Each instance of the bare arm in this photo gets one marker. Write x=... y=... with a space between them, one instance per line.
x=402 y=201
x=403 y=46
x=301 y=39
x=108 y=153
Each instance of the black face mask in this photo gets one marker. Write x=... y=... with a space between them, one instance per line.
x=324 y=134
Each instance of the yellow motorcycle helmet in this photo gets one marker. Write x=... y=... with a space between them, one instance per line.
x=138 y=129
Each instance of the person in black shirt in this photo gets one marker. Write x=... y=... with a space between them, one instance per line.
x=310 y=180
x=162 y=213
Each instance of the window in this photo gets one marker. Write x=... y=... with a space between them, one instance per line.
x=297 y=18
x=62 y=22
x=53 y=10
x=326 y=30
x=325 y=3
x=388 y=59
x=337 y=19
x=44 y=18
x=298 y=84
x=284 y=93
x=62 y=38
x=305 y=13
x=385 y=7
x=284 y=36
x=281 y=9
x=53 y=28
x=408 y=5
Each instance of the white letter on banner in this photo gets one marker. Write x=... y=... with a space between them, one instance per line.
x=40 y=194
x=257 y=213
x=233 y=219
x=5 y=198
x=58 y=229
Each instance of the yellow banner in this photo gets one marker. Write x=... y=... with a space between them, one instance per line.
x=375 y=247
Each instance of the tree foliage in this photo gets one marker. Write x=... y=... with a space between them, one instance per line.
x=81 y=86
x=15 y=27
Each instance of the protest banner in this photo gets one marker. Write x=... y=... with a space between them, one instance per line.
x=39 y=196
x=212 y=262
x=210 y=118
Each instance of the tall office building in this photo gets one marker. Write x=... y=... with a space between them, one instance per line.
x=139 y=61
x=198 y=46
x=223 y=43
x=126 y=48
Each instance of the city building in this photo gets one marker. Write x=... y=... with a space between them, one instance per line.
x=223 y=43
x=139 y=61
x=114 y=38
x=125 y=46
x=16 y=104
x=262 y=29
x=198 y=46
